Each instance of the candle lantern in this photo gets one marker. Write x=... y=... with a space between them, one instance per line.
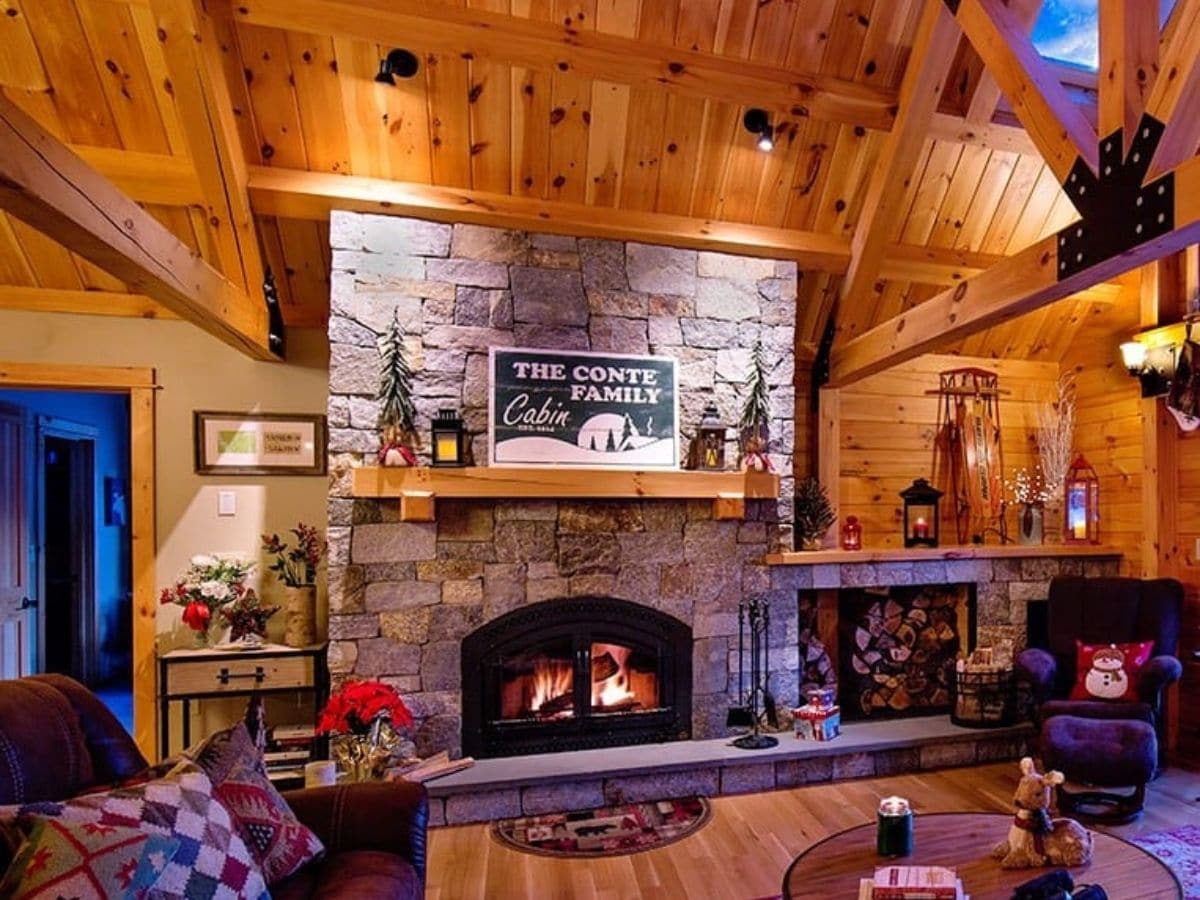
x=921 y=520
x=894 y=829
x=1082 y=504
x=449 y=439
x=852 y=534
x=711 y=440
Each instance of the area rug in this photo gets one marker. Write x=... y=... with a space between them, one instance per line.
x=1179 y=848
x=608 y=831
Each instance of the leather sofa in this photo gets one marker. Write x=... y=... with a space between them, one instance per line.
x=57 y=740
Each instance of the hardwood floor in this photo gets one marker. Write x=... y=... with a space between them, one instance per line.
x=743 y=852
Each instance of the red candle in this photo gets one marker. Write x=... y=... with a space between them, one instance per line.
x=920 y=528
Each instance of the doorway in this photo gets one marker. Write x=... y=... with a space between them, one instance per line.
x=77 y=448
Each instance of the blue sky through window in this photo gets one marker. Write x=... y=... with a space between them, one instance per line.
x=1068 y=30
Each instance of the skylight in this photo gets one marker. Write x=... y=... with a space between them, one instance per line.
x=1068 y=31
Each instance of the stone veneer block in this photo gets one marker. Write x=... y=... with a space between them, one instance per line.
x=398 y=542
x=748 y=778
x=940 y=756
x=797 y=772
x=853 y=765
x=463 y=808
x=552 y=798
x=700 y=782
x=660 y=270
x=548 y=296
x=897 y=762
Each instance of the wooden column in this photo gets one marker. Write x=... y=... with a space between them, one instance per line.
x=829 y=451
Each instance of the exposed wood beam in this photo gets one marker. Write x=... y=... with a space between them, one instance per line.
x=294 y=194
x=995 y=135
x=1020 y=284
x=987 y=92
x=206 y=112
x=924 y=78
x=146 y=177
x=434 y=27
x=1175 y=98
x=45 y=185
x=1128 y=63
x=1056 y=125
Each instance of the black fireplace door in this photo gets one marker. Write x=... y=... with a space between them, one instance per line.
x=576 y=673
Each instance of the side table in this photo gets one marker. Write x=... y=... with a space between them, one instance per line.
x=187 y=676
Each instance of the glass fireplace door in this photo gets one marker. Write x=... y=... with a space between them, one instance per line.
x=538 y=683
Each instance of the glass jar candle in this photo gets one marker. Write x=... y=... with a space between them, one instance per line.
x=852 y=534
x=894 y=832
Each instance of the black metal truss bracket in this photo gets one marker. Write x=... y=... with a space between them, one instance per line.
x=1117 y=211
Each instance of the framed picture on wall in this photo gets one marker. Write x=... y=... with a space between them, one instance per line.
x=230 y=443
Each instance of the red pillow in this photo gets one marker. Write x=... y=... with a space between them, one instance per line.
x=1109 y=671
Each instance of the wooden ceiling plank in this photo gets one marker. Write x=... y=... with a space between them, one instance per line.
x=931 y=189
x=643 y=149
x=721 y=127
x=810 y=33
x=532 y=93
x=987 y=93
x=124 y=75
x=81 y=302
x=812 y=173
x=322 y=117
x=617 y=17
x=1022 y=283
x=1128 y=62
x=266 y=61
x=548 y=46
x=606 y=143
x=447 y=90
x=1060 y=130
x=146 y=177
x=49 y=260
x=20 y=64
x=683 y=134
x=490 y=114
x=779 y=172
x=846 y=36
x=161 y=88
x=1012 y=203
x=992 y=186
x=570 y=124
x=696 y=27
x=931 y=55
x=993 y=135
x=194 y=60
x=44 y=184
x=735 y=28
x=14 y=266
x=1175 y=96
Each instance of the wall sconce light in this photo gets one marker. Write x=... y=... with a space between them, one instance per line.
x=1154 y=367
x=757 y=122
x=397 y=64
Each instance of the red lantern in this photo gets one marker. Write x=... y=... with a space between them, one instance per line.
x=852 y=534
x=1081 y=504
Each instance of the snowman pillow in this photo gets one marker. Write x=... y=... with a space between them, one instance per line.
x=1109 y=671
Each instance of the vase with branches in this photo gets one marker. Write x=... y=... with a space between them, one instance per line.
x=1055 y=438
x=295 y=565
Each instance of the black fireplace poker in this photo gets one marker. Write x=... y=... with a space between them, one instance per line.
x=753 y=704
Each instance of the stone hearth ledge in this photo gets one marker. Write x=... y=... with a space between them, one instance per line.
x=584 y=779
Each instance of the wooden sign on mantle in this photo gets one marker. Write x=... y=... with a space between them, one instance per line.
x=597 y=410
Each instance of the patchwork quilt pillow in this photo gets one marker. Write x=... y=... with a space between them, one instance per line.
x=211 y=861
x=87 y=861
x=279 y=842
x=1109 y=671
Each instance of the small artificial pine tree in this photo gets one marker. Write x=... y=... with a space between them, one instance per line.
x=814 y=515
x=397 y=413
x=756 y=414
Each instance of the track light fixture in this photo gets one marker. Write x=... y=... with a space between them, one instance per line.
x=397 y=64
x=757 y=122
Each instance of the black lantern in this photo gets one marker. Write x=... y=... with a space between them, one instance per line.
x=711 y=438
x=449 y=439
x=921 y=514
x=1082 y=506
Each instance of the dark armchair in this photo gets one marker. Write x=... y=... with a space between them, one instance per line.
x=1102 y=611
x=58 y=740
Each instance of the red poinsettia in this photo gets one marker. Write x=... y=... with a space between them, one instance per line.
x=352 y=709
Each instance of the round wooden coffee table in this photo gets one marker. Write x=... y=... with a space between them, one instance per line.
x=832 y=867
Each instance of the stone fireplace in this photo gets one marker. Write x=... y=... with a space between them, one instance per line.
x=575 y=673
x=405 y=597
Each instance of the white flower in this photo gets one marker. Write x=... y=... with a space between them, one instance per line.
x=214 y=590
x=200 y=561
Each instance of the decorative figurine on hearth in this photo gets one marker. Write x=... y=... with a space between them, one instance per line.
x=754 y=427
x=397 y=413
x=1034 y=838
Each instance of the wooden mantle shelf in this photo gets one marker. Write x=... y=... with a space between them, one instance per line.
x=418 y=488
x=923 y=554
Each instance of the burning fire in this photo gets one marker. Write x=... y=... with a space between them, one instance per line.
x=614 y=690
x=551 y=681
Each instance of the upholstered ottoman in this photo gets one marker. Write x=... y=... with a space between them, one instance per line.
x=1101 y=753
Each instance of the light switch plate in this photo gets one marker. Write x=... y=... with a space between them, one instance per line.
x=226 y=503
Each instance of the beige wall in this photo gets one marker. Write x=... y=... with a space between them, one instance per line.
x=196 y=372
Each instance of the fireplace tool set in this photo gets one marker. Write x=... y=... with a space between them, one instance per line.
x=756 y=703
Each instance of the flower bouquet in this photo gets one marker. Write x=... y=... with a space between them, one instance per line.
x=209 y=584
x=296 y=567
x=363 y=718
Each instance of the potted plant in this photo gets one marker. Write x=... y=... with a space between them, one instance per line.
x=362 y=718
x=296 y=566
x=209 y=584
x=814 y=515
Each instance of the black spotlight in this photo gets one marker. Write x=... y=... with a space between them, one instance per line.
x=758 y=123
x=397 y=64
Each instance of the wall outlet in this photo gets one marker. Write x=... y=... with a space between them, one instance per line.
x=226 y=503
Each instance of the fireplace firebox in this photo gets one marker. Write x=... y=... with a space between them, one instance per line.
x=576 y=673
